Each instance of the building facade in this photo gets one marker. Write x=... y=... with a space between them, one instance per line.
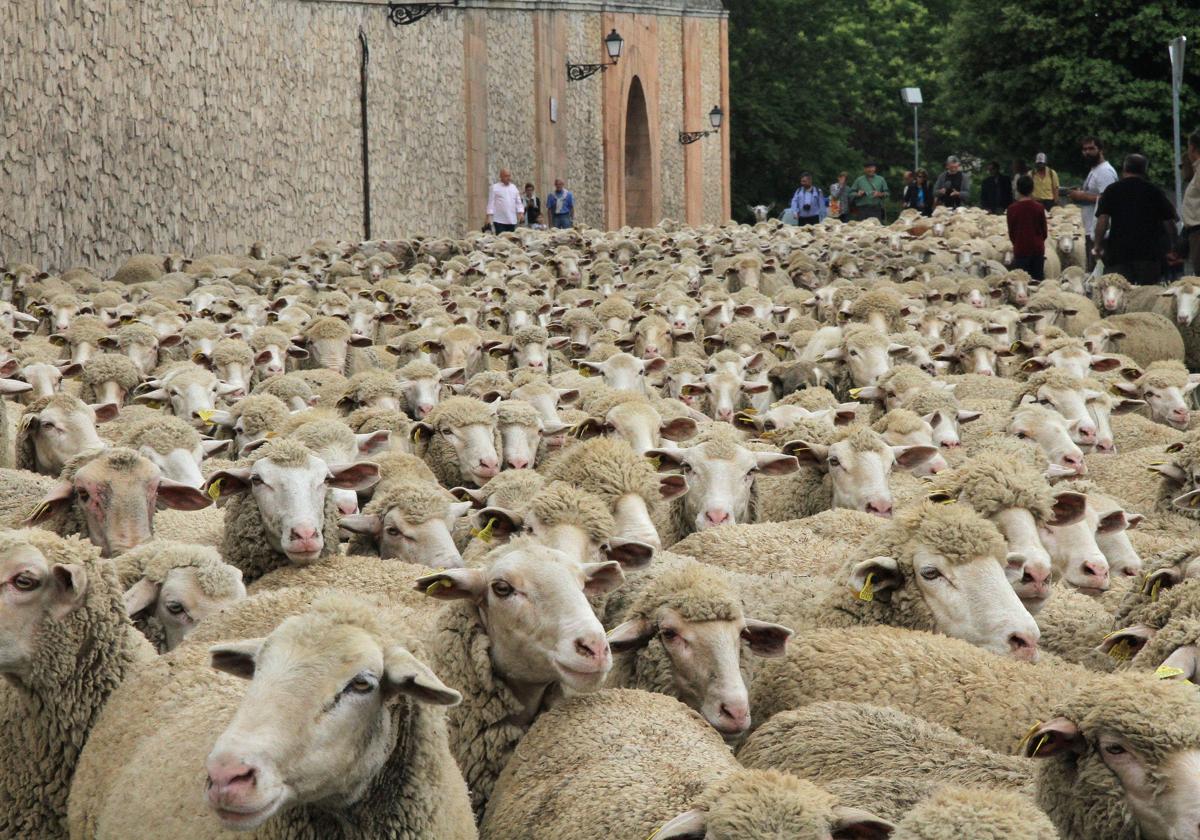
x=203 y=125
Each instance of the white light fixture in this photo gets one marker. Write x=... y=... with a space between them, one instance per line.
x=715 y=116
x=911 y=96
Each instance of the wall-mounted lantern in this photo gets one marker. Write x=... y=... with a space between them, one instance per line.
x=613 y=44
x=715 y=116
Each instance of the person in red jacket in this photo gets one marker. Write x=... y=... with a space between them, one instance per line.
x=1027 y=230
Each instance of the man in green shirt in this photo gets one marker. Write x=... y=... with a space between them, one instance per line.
x=868 y=193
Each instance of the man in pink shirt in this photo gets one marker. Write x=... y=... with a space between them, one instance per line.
x=505 y=209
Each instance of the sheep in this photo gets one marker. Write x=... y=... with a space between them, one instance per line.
x=901 y=427
x=624 y=480
x=984 y=815
x=546 y=640
x=420 y=383
x=564 y=780
x=174 y=446
x=291 y=389
x=232 y=361
x=408 y=519
x=189 y=391
x=108 y=378
x=624 y=372
x=179 y=584
x=282 y=512
x=390 y=773
x=68 y=645
x=1180 y=302
x=461 y=441
x=643 y=423
x=54 y=429
x=1164 y=386
x=848 y=469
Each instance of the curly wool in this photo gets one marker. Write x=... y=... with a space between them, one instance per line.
x=265 y=337
x=163 y=434
x=518 y=413
x=1156 y=717
x=1164 y=374
x=290 y=386
x=457 y=412
x=1054 y=377
x=900 y=421
x=928 y=401
x=108 y=367
x=609 y=468
x=201 y=330
x=327 y=329
x=530 y=335
x=902 y=379
x=615 y=306
x=862 y=337
x=368 y=419
x=86 y=329
x=882 y=301
x=810 y=399
x=259 y=413
x=136 y=335
x=955 y=813
x=558 y=503
x=371 y=385
x=512 y=489
x=993 y=481
x=77 y=662
x=418 y=369
x=579 y=318
x=975 y=341
x=327 y=437
x=232 y=351
x=158 y=558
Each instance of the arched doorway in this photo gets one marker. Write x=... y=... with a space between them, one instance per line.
x=639 y=208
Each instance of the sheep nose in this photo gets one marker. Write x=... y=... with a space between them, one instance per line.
x=1073 y=462
x=725 y=414
x=734 y=717
x=951 y=444
x=424 y=408
x=518 y=463
x=536 y=364
x=229 y=780
x=1022 y=646
x=716 y=517
x=592 y=649
x=651 y=350
x=1097 y=571
x=1087 y=434
x=304 y=533
x=347 y=508
x=1106 y=446
x=880 y=508
x=985 y=372
x=488 y=467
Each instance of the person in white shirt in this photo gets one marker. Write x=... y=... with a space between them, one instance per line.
x=505 y=209
x=1190 y=211
x=1100 y=177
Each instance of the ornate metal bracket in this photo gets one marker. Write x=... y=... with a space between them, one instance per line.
x=686 y=138
x=579 y=72
x=404 y=14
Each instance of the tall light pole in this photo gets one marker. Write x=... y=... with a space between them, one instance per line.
x=1177 y=48
x=912 y=96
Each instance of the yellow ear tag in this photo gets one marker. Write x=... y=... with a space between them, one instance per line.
x=1028 y=736
x=655 y=462
x=440 y=583
x=1165 y=672
x=424 y=348
x=854 y=392
x=205 y=415
x=214 y=489
x=270 y=435
x=416 y=435
x=381 y=297
x=751 y=411
x=41 y=508
x=780 y=352
x=197 y=356
x=1122 y=651
x=1041 y=743
x=867 y=593
x=155 y=404
x=585 y=371
x=484 y=534
x=1155 y=590
x=1015 y=346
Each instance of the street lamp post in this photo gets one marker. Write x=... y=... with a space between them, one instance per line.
x=1177 y=48
x=912 y=96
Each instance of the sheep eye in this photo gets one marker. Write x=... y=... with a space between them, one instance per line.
x=1021 y=436
x=394 y=531
x=834 y=462
x=174 y=607
x=25 y=583
x=930 y=573
x=502 y=589
x=360 y=685
x=668 y=634
x=853 y=352
x=82 y=495
x=1115 y=749
x=257 y=480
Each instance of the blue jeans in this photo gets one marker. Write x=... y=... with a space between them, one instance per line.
x=562 y=220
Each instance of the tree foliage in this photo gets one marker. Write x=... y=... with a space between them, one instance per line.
x=816 y=84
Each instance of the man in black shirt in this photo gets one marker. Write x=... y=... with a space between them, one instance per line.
x=1139 y=223
x=997 y=190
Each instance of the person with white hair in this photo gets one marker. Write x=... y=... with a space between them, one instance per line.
x=953 y=186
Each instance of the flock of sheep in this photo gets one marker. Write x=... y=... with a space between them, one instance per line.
x=763 y=533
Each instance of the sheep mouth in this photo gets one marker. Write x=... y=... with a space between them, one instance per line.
x=1091 y=591
x=247 y=818
x=582 y=680
x=303 y=557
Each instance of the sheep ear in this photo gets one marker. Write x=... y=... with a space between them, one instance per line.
x=666 y=460
x=631 y=635
x=236 y=658
x=499 y=523
x=911 y=456
x=70 y=587
x=774 y=463
x=1170 y=471
x=677 y=428
x=671 y=487
x=405 y=674
x=474 y=496
x=1188 y=501
x=690 y=825
x=59 y=496
x=1069 y=508
x=1053 y=738
x=106 y=411
x=1127 y=642
x=1184 y=659
x=179 y=496
x=807 y=454
x=227 y=482
x=1112 y=522
x=856 y=824
x=630 y=554
x=212 y=447
x=453 y=584
x=600 y=578
x=140 y=596
x=884 y=574
x=372 y=442
x=766 y=639
x=357 y=476
x=367 y=524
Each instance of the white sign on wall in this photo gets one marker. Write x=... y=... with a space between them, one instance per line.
x=553 y=110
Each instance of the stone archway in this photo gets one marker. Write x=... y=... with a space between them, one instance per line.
x=639 y=197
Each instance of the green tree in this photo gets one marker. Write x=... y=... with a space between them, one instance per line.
x=1036 y=75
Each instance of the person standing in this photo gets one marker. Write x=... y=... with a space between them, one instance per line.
x=560 y=204
x=1018 y=169
x=1191 y=201
x=1027 y=230
x=505 y=210
x=868 y=193
x=839 y=198
x=533 y=206
x=808 y=203
x=1045 y=182
x=919 y=194
x=953 y=186
x=1101 y=176
x=1135 y=225
x=996 y=193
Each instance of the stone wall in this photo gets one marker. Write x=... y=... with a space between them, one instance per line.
x=710 y=87
x=201 y=126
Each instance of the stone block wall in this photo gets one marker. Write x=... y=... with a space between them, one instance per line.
x=200 y=126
